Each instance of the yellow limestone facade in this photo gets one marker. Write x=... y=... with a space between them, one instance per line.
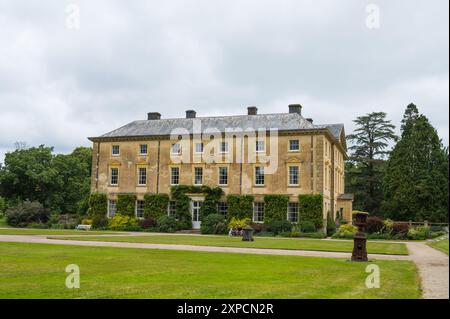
x=302 y=158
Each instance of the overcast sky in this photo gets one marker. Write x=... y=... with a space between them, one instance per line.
x=63 y=79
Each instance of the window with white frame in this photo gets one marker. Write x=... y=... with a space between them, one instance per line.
x=294 y=145
x=143 y=149
x=293 y=212
x=111 y=208
x=293 y=175
x=114 y=178
x=176 y=149
x=199 y=148
x=172 y=209
x=140 y=205
x=222 y=208
x=259 y=175
x=223 y=147
x=174 y=175
x=223 y=175
x=258 y=212
x=142 y=176
x=115 y=150
x=260 y=146
x=198 y=176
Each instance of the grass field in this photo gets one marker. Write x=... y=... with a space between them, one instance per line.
x=38 y=271
x=260 y=242
x=441 y=245
x=32 y=231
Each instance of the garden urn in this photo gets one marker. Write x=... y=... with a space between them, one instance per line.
x=247 y=234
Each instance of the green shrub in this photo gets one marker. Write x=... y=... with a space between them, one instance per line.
x=99 y=221
x=37 y=225
x=419 y=233
x=98 y=205
x=214 y=224
x=86 y=221
x=166 y=224
x=275 y=208
x=284 y=234
x=26 y=213
x=379 y=235
x=265 y=234
x=311 y=208
x=120 y=222
x=2 y=206
x=147 y=223
x=331 y=225
x=346 y=231
x=295 y=233
x=279 y=226
x=307 y=227
x=240 y=206
x=155 y=205
x=316 y=235
x=126 y=205
x=388 y=226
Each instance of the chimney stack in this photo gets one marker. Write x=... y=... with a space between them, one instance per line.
x=252 y=110
x=191 y=114
x=153 y=116
x=295 y=108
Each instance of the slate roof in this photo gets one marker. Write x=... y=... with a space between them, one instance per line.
x=281 y=121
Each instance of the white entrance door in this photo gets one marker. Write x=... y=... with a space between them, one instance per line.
x=196 y=214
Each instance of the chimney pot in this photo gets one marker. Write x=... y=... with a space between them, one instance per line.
x=252 y=110
x=191 y=114
x=153 y=116
x=295 y=108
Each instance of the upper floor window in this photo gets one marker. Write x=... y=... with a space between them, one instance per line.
x=259 y=175
x=143 y=149
x=174 y=175
x=115 y=151
x=294 y=145
x=140 y=204
x=198 y=176
x=260 y=146
x=142 y=176
x=222 y=208
x=293 y=175
x=114 y=178
x=223 y=147
x=111 y=208
x=293 y=212
x=223 y=175
x=199 y=148
x=258 y=212
x=176 y=149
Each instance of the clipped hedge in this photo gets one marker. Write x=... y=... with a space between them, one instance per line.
x=126 y=204
x=275 y=208
x=311 y=208
x=155 y=205
x=240 y=206
x=98 y=205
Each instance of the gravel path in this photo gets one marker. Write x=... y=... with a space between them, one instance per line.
x=41 y=239
x=433 y=270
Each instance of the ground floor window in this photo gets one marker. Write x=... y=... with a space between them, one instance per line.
x=172 y=209
x=293 y=212
x=111 y=208
x=258 y=212
x=140 y=204
x=222 y=208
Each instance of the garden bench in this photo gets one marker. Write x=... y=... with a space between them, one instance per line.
x=84 y=227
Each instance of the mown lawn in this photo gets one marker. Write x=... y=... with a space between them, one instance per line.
x=260 y=242
x=441 y=245
x=32 y=231
x=38 y=271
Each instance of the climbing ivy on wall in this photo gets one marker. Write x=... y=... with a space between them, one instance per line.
x=98 y=205
x=155 y=205
x=311 y=208
x=275 y=208
x=126 y=204
x=240 y=206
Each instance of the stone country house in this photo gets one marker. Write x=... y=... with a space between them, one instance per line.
x=255 y=154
